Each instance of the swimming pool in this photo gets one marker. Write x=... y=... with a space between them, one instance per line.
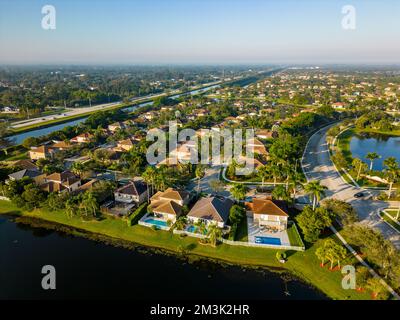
x=191 y=229
x=155 y=222
x=268 y=240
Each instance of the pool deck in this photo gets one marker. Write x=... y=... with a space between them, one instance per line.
x=254 y=231
x=143 y=222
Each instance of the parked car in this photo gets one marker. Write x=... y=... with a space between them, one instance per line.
x=359 y=195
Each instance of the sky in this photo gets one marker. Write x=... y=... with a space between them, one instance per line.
x=199 y=32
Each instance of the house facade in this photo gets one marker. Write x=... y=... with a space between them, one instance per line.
x=133 y=192
x=211 y=210
x=168 y=205
x=269 y=213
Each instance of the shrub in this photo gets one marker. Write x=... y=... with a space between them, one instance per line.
x=137 y=214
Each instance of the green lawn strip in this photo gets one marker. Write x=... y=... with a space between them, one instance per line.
x=294 y=236
x=303 y=264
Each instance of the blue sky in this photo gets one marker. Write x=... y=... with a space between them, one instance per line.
x=199 y=31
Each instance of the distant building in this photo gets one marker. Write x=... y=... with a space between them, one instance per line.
x=41 y=152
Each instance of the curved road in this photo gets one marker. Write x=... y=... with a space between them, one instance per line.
x=317 y=165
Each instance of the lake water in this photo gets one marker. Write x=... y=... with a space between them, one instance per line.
x=385 y=146
x=88 y=269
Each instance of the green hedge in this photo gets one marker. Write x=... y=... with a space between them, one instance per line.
x=137 y=214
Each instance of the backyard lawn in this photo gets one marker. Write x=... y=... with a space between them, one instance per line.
x=303 y=264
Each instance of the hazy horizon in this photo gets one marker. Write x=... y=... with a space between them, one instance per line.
x=194 y=32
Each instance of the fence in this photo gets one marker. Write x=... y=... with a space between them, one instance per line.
x=261 y=245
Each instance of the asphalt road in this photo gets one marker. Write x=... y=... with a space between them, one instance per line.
x=317 y=165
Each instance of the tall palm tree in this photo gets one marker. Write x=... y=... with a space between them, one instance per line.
x=214 y=233
x=89 y=204
x=239 y=191
x=70 y=208
x=149 y=175
x=180 y=222
x=392 y=172
x=275 y=171
x=263 y=173
x=294 y=183
x=316 y=190
x=371 y=156
x=200 y=172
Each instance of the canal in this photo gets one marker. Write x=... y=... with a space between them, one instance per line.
x=89 y=269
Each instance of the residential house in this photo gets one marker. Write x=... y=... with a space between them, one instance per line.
x=257 y=146
x=270 y=213
x=184 y=151
x=126 y=144
x=168 y=205
x=83 y=138
x=41 y=152
x=211 y=210
x=133 y=192
x=117 y=126
x=65 y=181
x=24 y=173
x=25 y=164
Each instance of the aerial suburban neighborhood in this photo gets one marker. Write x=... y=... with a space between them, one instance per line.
x=282 y=179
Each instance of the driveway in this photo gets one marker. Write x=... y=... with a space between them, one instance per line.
x=317 y=165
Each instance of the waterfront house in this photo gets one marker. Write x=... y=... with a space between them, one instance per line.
x=133 y=192
x=117 y=126
x=211 y=210
x=268 y=213
x=168 y=205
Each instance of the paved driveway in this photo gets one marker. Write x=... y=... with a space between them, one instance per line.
x=317 y=165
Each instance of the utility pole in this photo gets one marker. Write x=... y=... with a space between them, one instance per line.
x=90 y=102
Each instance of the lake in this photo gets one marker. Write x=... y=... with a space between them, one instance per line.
x=88 y=269
x=385 y=146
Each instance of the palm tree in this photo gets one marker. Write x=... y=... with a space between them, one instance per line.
x=181 y=223
x=275 y=171
x=239 y=191
x=200 y=172
x=316 y=190
x=149 y=176
x=392 y=172
x=263 y=173
x=89 y=204
x=214 y=233
x=78 y=168
x=201 y=227
x=280 y=193
x=371 y=156
x=294 y=182
x=70 y=208
x=359 y=165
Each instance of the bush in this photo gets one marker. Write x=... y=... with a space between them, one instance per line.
x=137 y=214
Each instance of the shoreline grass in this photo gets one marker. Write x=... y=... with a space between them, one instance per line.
x=303 y=265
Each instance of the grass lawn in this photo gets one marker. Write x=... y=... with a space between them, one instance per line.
x=294 y=236
x=305 y=265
